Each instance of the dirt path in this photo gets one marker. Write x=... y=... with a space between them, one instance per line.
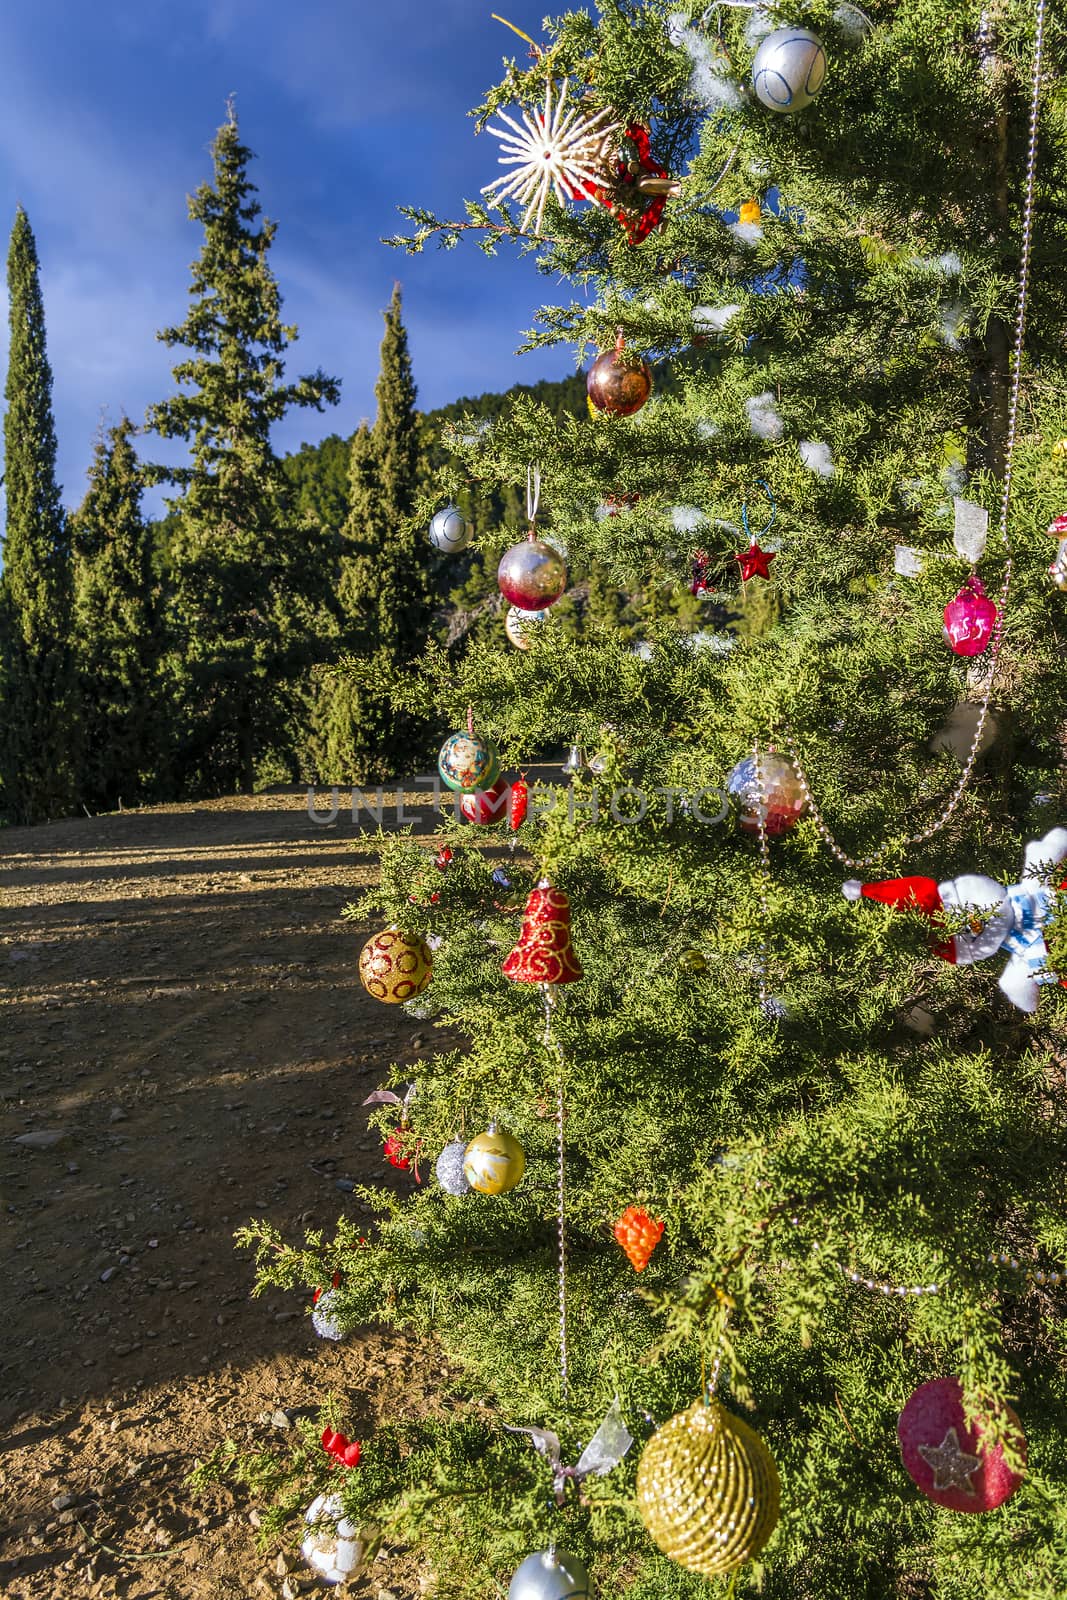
x=178 y=1003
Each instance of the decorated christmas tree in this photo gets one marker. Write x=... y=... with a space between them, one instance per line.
x=743 y=1209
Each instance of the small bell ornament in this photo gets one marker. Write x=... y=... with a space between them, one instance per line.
x=639 y=1234
x=616 y=384
x=449 y=530
x=946 y=1457
x=494 y=1162
x=574 y=762
x=789 y=69
x=544 y=953
x=708 y=1490
x=551 y=1575
x=969 y=619
x=774 y=787
x=395 y=966
x=468 y=762
x=532 y=576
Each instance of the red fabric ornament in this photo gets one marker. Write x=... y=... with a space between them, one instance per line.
x=754 y=562
x=345 y=1452
x=486 y=806
x=395 y=1153
x=544 y=953
x=443 y=859
x=639 y=1234
x=518 y=803
x=946 y=1458
x=637 y=213
x=969 y=619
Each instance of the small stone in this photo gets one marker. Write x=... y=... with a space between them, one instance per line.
x=280 y=1419
x=62 y=1502
x=281 y=1565
x=346 y=1185
x=117 y=1114
x=107 y=1274
x=42 y=1139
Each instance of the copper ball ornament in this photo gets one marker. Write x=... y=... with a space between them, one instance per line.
x=468 y=762
x=708 y=1490
x=617 y=385
x=532 y=575
x=789 y=69
x=551 y=1575
x=395 y=966
x=449 y=530
x=494 y=1162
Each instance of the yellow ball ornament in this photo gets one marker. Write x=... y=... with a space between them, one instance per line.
x=395 y=966
x=708 y=1490
x=494 y=1162
x=1060 y=448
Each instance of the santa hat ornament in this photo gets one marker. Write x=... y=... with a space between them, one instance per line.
x=945 y=1455
x=544 y=953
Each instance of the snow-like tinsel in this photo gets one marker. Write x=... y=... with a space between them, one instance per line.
x=713 y=319
x=709 y=79
x=764 y=418
x=817 y=457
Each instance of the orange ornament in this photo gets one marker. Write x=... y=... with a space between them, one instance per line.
x=639 y=1234
x=750 y=211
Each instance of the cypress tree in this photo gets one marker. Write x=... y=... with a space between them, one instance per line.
x=115 y=616
x=37 y=763
x=250 y=580
x=385 y=595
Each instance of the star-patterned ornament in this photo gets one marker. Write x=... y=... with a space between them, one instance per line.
x=953 y=1467
x=754 y=562
x=560 y=149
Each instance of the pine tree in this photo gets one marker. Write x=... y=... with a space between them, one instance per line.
x=251 y=581
x=855 y=1140
x=38 y=760
x=116 y=615
x=384 y=592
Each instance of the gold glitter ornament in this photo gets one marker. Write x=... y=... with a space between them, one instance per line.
x=494 y=1162
x=708 y=1490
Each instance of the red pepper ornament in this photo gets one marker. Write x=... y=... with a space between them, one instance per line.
x=544 y=953
x=345 y=1452
x=639 y=1234
x=518 y=803
x=969 y=619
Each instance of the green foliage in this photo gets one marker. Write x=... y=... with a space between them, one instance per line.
x=116 y=611
x=251 y=579
x=38 y=754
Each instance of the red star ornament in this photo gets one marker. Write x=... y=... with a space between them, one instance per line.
x=754 y=562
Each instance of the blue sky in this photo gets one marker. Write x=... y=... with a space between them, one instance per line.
x=352 y=107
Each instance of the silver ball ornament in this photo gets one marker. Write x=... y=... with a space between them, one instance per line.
x=323 y=1319
x=551 y=1575
x=449 y=530
x=449 y=1168
x=334 y=1557
x=789 y=69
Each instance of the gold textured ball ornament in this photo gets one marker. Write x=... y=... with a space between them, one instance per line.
x=494 y=1162
x=708 y=1490
x=395 y=966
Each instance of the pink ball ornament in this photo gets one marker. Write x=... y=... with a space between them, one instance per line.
x=532 y=575
x=783 y=798
x=969 y=619
x=946 y=1458
x=486 y=806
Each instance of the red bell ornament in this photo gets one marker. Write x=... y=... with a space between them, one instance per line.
x=544 y=953
x=969 y=619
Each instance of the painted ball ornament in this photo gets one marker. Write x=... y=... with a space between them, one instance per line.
x=945 y=1456
x=468 y=762
x=550 y=1575
x=336 y=1555
x=487 y=806
x=532 y=575
x=494 y=1162
x=708 y=1490
x=395 y=966
x=449 y=530
x=449 y=1168
x=774 y=789
x=519 y=625
x=789 y=69
x=618 y=385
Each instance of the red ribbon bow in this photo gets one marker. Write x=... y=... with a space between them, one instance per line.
x=344 y=1451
